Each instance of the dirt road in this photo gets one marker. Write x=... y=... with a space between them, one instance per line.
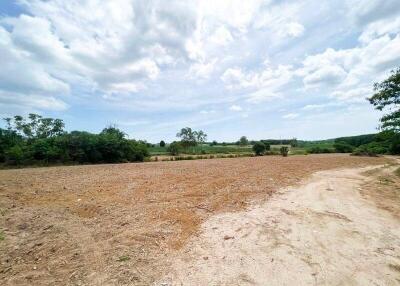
x=329 y=231
x=121 y=224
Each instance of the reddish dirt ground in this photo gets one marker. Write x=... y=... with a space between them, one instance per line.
x=117 y=224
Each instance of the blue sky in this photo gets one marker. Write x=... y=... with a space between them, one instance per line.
x=264 y=69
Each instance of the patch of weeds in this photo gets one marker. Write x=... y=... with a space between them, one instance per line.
x=385 y=181
x=2 y=236
x=123 y=258
x=397 y=172
x=3 y=212
x=395 y=267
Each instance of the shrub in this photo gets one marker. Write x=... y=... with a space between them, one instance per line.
x=394 y=147
x=174 y=148
x=162 y=143
x=259 y=148
x=319 y=150
x=14 y=155
x=284 y=151
x=370 y=149
x=363 y=151
x=343 y=147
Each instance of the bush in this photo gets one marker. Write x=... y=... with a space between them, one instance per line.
x=259 y=148
x=319 y=150
x=284 y=151
x=343 y=147
x=14 y=155
x=174 y=148
x=394 y=147
x=370 y=149
x=162 y=143
x=363 y=151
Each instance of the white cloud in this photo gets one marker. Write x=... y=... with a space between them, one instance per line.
x=290 y=116
x=263 y=85
x=294 y=29
x=313 y=107
x=327 y=75
x=348 y=74
x=114 y=48
x=201 y=69
x=221 y=37
x=235 y=108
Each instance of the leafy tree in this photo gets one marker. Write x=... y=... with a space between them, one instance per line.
x=42 y=140
x=36 y=126
x=294 y=142
x=387 y=96
x=243 y=141
x=201 y=137
x=162 y=143
x=15 y=155
x=174 y=148
x=284 y=151
x=214 y=143
x=343 y=147
x=188 y=137
x=259 y=148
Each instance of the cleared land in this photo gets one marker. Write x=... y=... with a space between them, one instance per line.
x=120 y=224
x=327 y=231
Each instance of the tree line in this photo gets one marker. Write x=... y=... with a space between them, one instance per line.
x=39 y=140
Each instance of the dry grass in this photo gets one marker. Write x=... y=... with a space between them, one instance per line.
x=71 y=225
x=385 y=190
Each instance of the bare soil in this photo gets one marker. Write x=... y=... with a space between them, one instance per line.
x=122 y=224
x=326 y=232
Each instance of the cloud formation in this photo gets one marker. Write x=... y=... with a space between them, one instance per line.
x=189 y=59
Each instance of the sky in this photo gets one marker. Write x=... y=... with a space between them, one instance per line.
x=263 y=69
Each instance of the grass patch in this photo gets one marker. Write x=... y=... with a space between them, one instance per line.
x=2 y=236
x=123 y=258
x=397 y=172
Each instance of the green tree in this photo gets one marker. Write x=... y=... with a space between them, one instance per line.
x=35 y=126
x=243 y=141
x=387 y=97
x=201 y=136
x=191 y=138
x=343 y=147
x=162 y=143
x=174 y=148
x=188 y=137
x=259 y=148
x=284 y=151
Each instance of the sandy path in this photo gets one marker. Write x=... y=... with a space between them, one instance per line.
x=322 y=233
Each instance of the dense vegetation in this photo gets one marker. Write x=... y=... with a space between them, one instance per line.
x=39 y=140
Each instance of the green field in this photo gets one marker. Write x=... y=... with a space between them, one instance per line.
x=205 y=149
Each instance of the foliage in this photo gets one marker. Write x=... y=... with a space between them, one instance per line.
x=190 y=138
x=343 y=147
x=175 y=148
x=162 y=143
x=356 y=141
x=214 y=143
x=259 y=148
x=36 y=126
x=292 y=142
x=34 y=142
x=243 y=141
x=319 y=150
x=284 y=151
x=387 y=96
